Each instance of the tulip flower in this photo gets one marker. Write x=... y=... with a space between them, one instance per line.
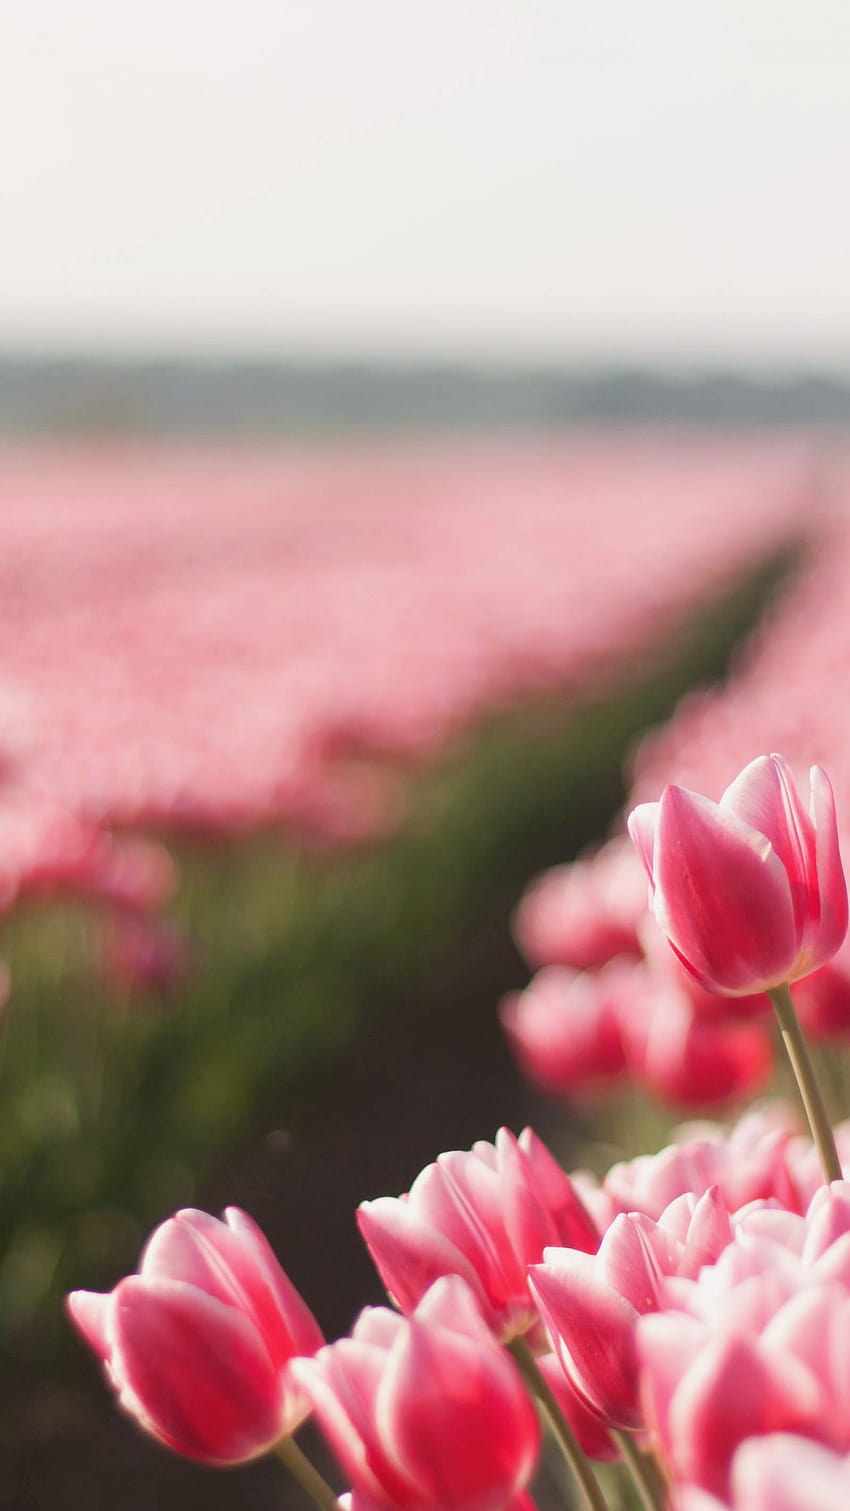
x=707 y=1390
x=750 y=891
x=688 y=1061
x=563 y=1028
x=583 y=914
x=427 y=1410
x=485 y=1215
x=782 y=1472
x=590 y=1304
x=198 y=1343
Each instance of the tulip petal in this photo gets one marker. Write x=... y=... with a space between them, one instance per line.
x=283 y=1316
x=197 y=1369
x=458 y=1419
x=731 y=1392
x=832 y=885
x=592 y=1332
x=722 y=896
x=450 y=1303
x=234 y=1261
x=667 y=1344
x=593 y=1436
x=407 y=1252
x=781 y=1472
x=342 y=1381
x=377 y=1324
x=641 y=823
x=765 y=796
x=185 y=1248
x=89 y=1311
x=571 y=1223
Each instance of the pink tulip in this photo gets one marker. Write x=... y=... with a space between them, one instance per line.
x=198 y=1343
x=781 y=1472
x=822 y=1001
x=590 y=1305
x=707 y=1390
x=691 y=1062
x=563 y=1028
x=747 y=1163
x=485 y=1215
x=750 y=891
x=425 y=1411
x=583 y=914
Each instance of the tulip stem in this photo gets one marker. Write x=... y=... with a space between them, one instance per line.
x=308 y=1478
x=798 y=1054
x=642 y=1470
x=568 y=1443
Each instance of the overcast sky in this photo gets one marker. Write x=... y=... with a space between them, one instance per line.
x=609 y=179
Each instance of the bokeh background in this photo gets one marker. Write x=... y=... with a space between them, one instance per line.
x=402 y=407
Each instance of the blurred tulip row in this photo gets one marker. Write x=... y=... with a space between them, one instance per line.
x=214 y=643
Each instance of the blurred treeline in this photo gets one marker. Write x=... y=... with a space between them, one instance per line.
x=61 y=393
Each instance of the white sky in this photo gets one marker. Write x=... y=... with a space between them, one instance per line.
x=508 y=178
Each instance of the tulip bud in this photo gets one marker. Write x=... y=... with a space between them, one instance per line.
x=425 y=1411
x=750 y=891
x=485 y=1215
x=198 y=1343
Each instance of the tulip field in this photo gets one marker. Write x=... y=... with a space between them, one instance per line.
x=291 y=740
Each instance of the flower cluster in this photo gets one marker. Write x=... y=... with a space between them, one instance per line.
x=697 y=1300
x=224 y=643
x=688 y=1020
x=689 y=1315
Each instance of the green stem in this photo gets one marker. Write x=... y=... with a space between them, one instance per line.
x=798 y=1054
x=308 y=1478
x=643 y=1472
x=592 y=1495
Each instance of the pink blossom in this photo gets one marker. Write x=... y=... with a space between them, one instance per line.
x=565 y=1028
x=707 y=1392
x=198 y=1343
x=485 y=1215
x=689 y=1060
x=590 y=1303
x=427 y=1410
x=822 y=1000
x=748 y=1162
x=583 y=914
x=750 y=892
x=781 y=1472
x=753 y=1343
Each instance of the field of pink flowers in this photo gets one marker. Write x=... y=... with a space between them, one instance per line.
x=231 y=685
x=218 y=643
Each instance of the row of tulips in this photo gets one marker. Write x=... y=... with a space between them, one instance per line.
x=687 y=1318
x=227 y=642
